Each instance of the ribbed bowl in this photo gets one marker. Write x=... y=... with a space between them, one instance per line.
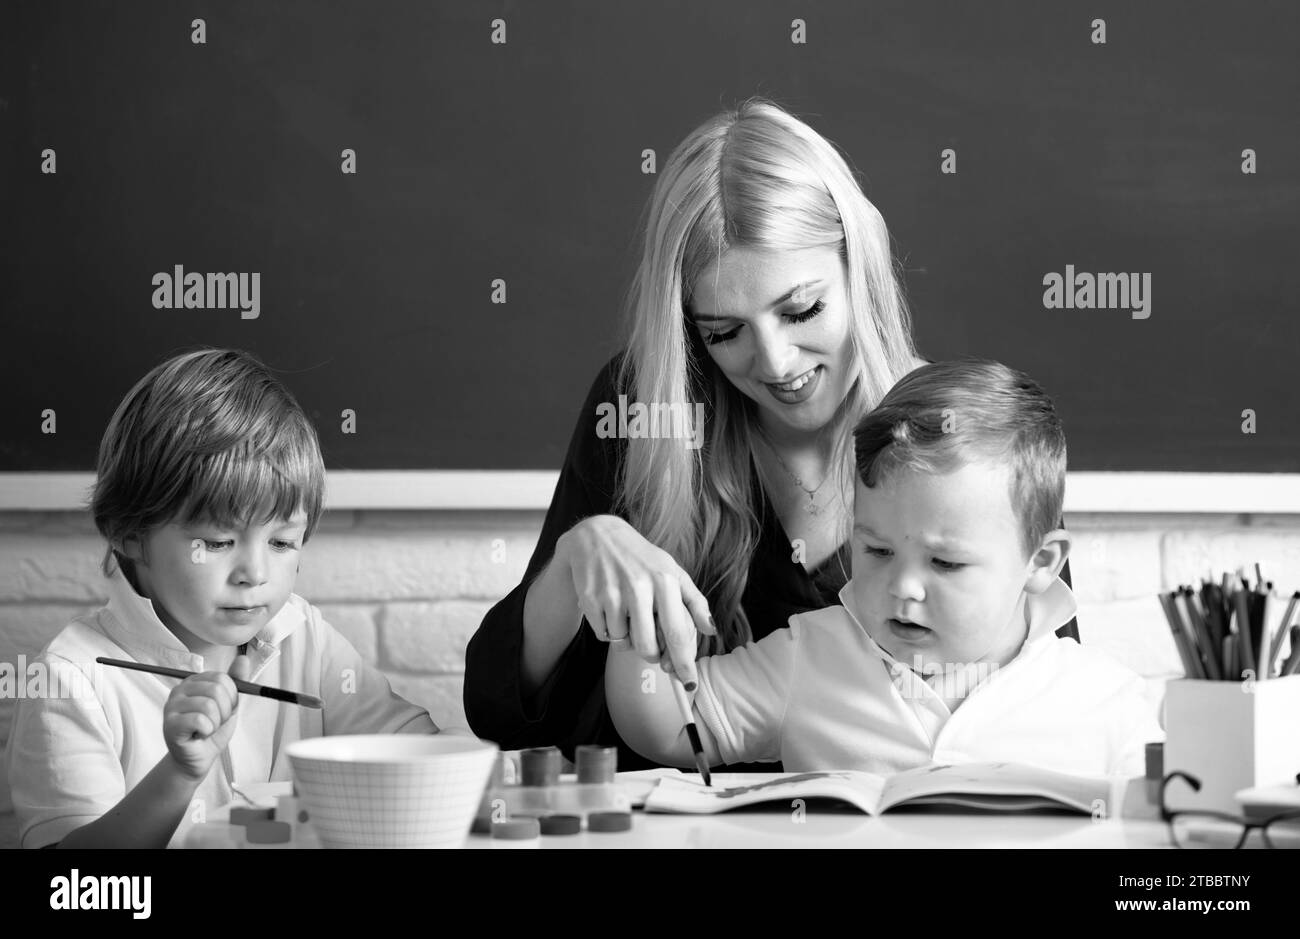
x=391 y=790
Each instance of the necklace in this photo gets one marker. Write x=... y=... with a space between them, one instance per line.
x=812 y=508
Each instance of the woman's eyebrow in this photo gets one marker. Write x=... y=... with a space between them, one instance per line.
x=794 y=291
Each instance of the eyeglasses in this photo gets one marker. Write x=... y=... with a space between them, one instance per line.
x=1202 y=829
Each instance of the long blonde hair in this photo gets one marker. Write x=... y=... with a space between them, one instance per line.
x=757 y=177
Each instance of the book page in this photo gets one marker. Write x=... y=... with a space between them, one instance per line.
x=1009 y=786
x=688 y=794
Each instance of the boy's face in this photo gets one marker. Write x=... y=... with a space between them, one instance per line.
x=939 y=570
x=215 y=587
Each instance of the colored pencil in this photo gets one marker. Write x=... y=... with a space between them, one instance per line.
x=1282 y=629
x=1197 y=633
x=1191 y=661
x=1292 y=663
x=1245 y=642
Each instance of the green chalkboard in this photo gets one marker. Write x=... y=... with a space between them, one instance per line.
x=477 y=161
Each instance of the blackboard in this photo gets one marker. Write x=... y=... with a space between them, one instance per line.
x=522 y=161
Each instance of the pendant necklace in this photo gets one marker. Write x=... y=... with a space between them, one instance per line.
x=812 y=508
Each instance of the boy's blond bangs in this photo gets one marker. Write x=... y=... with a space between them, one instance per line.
x=207 y=436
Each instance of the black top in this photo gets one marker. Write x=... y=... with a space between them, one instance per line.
x=569 y=708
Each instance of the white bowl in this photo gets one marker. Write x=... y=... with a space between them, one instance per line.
x=392 y=790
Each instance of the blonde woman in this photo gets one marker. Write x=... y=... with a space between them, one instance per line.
x=765 y=293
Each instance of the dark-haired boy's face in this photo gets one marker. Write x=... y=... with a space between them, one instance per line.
x=216 y=588
x=939 y=568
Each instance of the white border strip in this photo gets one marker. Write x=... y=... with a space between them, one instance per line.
x=1254 y=493
x=1261 y=493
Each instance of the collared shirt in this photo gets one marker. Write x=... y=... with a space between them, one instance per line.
x=95 y=731
x=569 y=709
x=823 y=695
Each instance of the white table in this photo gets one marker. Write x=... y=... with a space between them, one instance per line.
x=833 y=828
x=741 y=829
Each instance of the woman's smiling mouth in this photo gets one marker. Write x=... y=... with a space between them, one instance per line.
x=797 y=390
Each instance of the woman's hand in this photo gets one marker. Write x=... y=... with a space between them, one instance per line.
x=200 y=717
x=632 y=591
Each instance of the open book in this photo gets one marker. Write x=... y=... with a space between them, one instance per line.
x=1002 y=787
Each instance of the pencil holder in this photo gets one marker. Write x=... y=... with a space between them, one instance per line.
x=1231 y=735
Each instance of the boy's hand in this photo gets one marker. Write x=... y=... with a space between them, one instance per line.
x=199 y=718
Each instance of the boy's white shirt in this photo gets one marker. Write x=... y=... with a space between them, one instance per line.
x=70 y=759
x=824 y=695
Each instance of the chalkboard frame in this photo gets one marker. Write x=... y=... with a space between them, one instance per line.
x=530 y=490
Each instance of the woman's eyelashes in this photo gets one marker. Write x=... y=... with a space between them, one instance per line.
x=807 y=314
x=713 y=338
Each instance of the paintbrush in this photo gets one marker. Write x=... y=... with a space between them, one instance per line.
x=684 y=707
x=243 y=687
x=693 y=732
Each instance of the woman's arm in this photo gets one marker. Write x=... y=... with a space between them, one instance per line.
x=530 y=675
x=534 y=674
x=551 y=619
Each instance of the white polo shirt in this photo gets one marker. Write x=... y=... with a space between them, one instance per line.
x=823 y=695
x=75 y=752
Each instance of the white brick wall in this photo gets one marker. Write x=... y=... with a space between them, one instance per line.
x=1119 y=563
x=408 y=589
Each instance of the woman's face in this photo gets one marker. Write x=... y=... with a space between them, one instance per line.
x=777 y=324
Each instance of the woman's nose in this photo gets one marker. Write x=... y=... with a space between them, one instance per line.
x=774 y=356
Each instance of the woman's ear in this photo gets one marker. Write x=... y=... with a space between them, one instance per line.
x=132 y=548
x=1047 y=561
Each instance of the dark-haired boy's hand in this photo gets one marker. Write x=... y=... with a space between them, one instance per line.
x=200 y=717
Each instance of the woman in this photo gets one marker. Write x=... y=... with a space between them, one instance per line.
x=766 y=292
